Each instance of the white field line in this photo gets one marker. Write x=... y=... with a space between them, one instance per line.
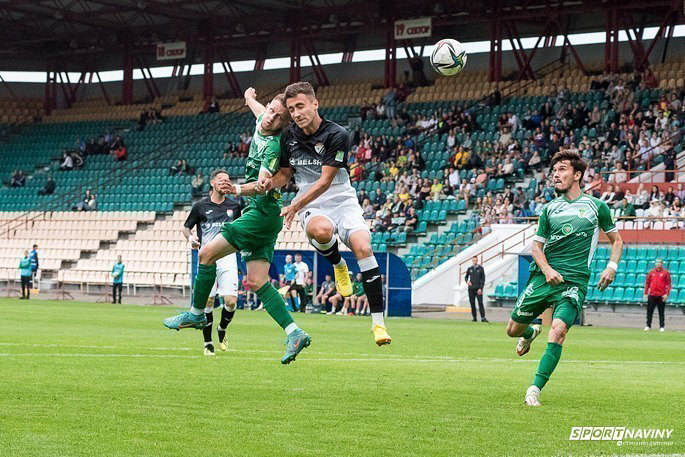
x=365 y=358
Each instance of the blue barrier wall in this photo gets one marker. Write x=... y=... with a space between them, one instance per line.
x=397 y=283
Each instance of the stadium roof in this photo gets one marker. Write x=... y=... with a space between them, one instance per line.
x=70 y=29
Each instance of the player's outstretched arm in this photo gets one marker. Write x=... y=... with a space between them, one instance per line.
x=251 y=101
x=609 y=273
x=553 y=277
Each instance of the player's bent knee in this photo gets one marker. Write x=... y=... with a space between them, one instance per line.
x=205 y=256
x=321 y=233
x=557 y=334
x=255 y=284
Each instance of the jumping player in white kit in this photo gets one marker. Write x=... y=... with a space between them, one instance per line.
x=209 y=215
x=315 y=150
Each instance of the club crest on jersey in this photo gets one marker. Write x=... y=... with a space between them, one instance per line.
x=581 y=212
x=319 y=148
x=229 y=212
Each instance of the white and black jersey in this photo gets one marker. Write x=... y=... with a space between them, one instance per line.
x=208 y=217
x=307 y=154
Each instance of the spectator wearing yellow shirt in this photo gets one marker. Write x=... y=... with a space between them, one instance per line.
x=436 y=188
x=460 y=157
x=402 y=160
x=403 y=193
x=393 y=170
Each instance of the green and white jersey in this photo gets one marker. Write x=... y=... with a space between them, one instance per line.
x=264 y=154
x=570 y=231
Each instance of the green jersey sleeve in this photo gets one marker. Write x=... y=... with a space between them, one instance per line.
x=271 y=155
x=543 y=226
x=606 y=222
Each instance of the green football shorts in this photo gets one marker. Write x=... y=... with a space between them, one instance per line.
x=567 y=299
x=254 y=234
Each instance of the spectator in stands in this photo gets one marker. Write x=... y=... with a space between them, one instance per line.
x=101 y=147
x=245 y=140
x=669 y=196
x=608 y=195
x=436 y=188
x=624 y=209
x=390 y=103
x=618 y=174
x=84 y=204
x=197 y=185
x=67 y=162
x=368 y=210
x=77 y=159
x=379 y=225
x=18 y=179
x=213 y=106
x=378 y=198
x=49 y=188
x=411 y=221
x=142 y=120
x=33 y=255
x=180 y=168
x=475 y=279
x=654 y=193
x=154 y=116
x=92 y=203
x=25 y=273
x=653 y=213
x=657 y=288
x=117 y=279
x=326 y=290
x=680 y=193
x=117 y=148
x=361 y=196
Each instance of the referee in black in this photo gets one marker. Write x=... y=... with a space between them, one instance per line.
x=475 y=278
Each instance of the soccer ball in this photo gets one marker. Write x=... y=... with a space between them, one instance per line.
x=448 y=57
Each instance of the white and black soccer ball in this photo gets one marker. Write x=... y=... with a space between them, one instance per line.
x=448 y=57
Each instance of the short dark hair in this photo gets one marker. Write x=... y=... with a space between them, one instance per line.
x=302 y=87
x=475 y=257
x=574 y=158
x=35 y=245
x=216 y=172
x=280 y=98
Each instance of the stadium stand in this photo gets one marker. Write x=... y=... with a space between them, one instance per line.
x=465 y=149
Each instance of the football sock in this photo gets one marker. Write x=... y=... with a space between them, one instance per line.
x=227 y=313
x=204 y=281
x=329 y=250
x=373 y=287
x=207 y=330
x=548 y=363
x=528 y=332
x=274 y=304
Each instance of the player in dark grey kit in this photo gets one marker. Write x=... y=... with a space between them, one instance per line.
x=209 y=215
x=315 y=150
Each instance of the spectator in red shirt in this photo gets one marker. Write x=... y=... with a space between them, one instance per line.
x=657 y=288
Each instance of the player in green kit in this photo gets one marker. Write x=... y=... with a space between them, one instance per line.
x=567 y=235
x=254 y=233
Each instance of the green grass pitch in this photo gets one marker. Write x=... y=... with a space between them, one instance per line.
x=84 y=379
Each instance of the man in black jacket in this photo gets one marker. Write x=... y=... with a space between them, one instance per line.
x=475 y=278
